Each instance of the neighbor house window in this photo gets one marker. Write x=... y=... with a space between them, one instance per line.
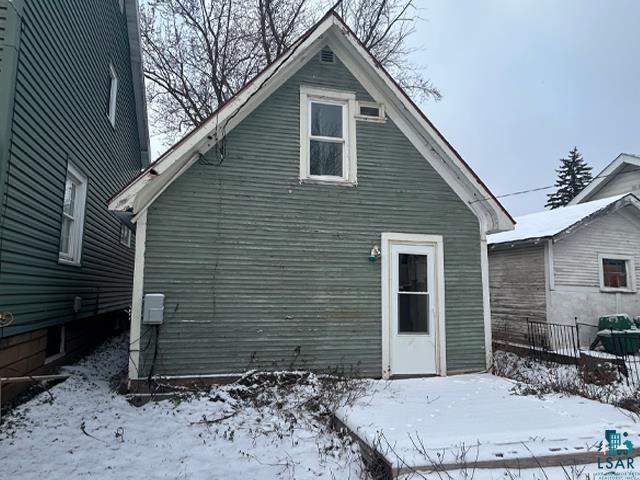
x=113 y=95
x=327 y=135
x=73 y=205
x=125 y=235
x=617 y=273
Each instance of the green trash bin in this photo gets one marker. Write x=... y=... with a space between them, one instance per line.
x=620 y=342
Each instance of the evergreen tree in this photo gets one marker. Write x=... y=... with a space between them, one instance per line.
x=573 y=175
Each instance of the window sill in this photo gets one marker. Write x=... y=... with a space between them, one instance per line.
x=68 y=261
x=617 y=290
x=327 y=181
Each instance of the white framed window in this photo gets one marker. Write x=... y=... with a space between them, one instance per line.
x=371 y=112
x=113 y=95
x=125 y=235
x=327 y=136
x=617 y=273
x=73 y=207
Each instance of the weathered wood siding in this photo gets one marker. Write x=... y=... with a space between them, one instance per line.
x=59 y=114
x=627 y=180
x=518 y=290
x=260 y=271
x=577 y=273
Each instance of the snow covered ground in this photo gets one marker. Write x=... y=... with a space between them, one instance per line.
x=44 y=438
x=265 y=429
x=430 y=420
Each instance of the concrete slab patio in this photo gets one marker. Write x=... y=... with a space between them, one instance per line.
x=426 y=424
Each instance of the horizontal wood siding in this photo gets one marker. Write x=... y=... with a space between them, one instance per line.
x=60 y=115
x=260 y=271
x=627 y=180
x=518 y=290
x=576 y=256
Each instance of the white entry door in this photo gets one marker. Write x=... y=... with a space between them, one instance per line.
x=413 y=337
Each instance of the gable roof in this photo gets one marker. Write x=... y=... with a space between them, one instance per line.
x=332 y=31
x=551 y=223
x=605 y=176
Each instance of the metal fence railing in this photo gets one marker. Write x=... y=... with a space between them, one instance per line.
x=553 y=342
x=571 y=344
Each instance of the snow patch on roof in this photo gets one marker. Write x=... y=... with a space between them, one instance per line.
x=551 y=222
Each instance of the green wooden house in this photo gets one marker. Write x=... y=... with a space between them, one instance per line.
x=319 y=221
x=72 y=130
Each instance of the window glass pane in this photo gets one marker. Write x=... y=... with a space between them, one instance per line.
x=69 y=197
x=413 y=313
x=65 y=236
x=412 y=274
x=325 y=158
x=326 y=120
x=615 y=273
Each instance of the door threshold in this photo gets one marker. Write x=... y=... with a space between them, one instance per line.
x=402 y=376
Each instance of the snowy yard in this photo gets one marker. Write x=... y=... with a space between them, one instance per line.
x=176 y=440
x=275 y=426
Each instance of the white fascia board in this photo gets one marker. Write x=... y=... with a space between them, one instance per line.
x=490 y=214
x=604 y=177
x=219 y=125
x=423 y=136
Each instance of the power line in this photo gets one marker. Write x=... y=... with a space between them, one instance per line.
x=538 y=189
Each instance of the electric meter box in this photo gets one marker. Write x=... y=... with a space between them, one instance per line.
x=153 y=309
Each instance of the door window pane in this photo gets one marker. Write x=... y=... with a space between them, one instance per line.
x=325 y=158
x=326 y=120
x=412 y=274
x=413 y=313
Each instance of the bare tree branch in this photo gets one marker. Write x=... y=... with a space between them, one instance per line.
x=199 y=53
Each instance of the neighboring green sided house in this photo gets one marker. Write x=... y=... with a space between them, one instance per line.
x=316 y=221
x=72 y=130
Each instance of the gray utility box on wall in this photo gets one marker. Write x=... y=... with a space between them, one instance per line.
x=153 y=312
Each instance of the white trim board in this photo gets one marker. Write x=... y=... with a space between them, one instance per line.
x=331 y=31
x=137 y=297
x=605 y=176
x=387 y=239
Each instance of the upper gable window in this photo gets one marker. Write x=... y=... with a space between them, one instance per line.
x=113 y=95
x=73 y=206
x=327 y=136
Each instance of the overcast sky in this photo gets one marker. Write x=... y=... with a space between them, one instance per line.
x=526 y=80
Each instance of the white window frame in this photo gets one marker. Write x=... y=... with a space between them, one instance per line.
x=113 y=95
x=629 y=267
x=381 y=118
x=126 y=238
x=73 y=256
x=347 y=100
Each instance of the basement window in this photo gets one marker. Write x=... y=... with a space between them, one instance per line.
x=327 y=136
x=73 y=208
x=55 y=343
x=617 y=273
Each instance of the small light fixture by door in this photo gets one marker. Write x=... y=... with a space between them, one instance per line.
x=375 y=253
